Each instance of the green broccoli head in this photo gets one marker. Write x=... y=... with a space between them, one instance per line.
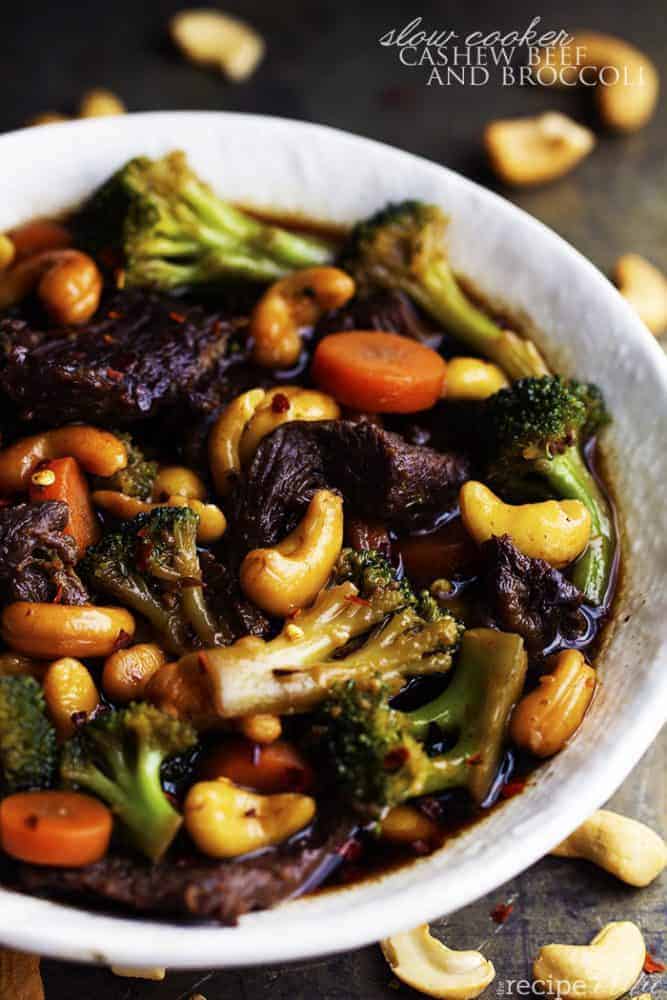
x=151 y=565
x=28 y=749
x=170 y=230
x=402 y=247
x=138 y=476
x=117 y=757
x=372 y=575
x=378 y=752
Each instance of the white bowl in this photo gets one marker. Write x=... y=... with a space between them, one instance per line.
x=587 y=328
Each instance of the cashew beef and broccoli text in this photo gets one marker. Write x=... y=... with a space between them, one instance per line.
x=303 y=553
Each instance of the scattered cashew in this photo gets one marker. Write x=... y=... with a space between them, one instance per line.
x=178 y=480
x=98 y=452
x=290 y=575
x=212 y=522
x=472 y=378
x=622 y=846
x=68 y=283
x=554 y=530
x=155 y=974
x=211 y=38
x=251 y=416
x=546 y=718
x=100 y=103
x=279 y=406
x=527 y=151
x=291 y=303
x=263 y=727
x=127 y=672
x=427 y=965
x=645 y=288
x=68 y=690
x=48 y=630
x=226 y=821
x=405 y=825
x=626 y=81
x=603 y=970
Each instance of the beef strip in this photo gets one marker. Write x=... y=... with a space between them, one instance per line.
x=530 y=597
x=36 y=558
x=382 y=310
x=225 y=599
x=205 y=890
x=144 y=354
x=380 y=476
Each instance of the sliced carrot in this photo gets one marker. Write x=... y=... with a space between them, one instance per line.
x=55 y=828
x=444 y=553
x=379 y=372
x=70 y=485
x=38 y=235
x=269 y=768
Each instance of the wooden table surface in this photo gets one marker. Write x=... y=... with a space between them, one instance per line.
x=324 y=64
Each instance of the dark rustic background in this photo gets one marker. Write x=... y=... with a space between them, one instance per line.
x=324 y=64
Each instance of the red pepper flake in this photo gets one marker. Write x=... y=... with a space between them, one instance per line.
x=108 y=339
x=474 y=759
x=115 y=375
x=395 y=759
x=652 y=965
x=512 y=788
x=350 y=850
x=280 y=403
x=59 y=594
x=177 y=317
x=32 y=821
x=501 y=912
x=114 y=314
x=355 y=599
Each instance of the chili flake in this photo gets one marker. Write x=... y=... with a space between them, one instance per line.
x=652 y=965
x=115 y=375
x=512 y=788
x=280 y=403
x=177 y=317
x=501 y=912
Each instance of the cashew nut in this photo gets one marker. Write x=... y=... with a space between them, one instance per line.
x=291 y=303
x=183 y=690
x=405 y=825
x=554 y=530
x=622 y=846
x=226 y=821
x=69 y=689
x=281 y=405
x=472 y=378
x=100 y=103
x=546 y=718
x=603 y=970
x=154 y=974
x=38 y=235
x=263 y=727
x=427 y=965
x=127 y=672
x=527 y=151
x=98 y=452
x=212 y=522
x=645 y=288
x=251 y=416
x=46 y=631
x=290 y=576
x=627 y=81
x=68 y=283
x=178 y=480
x=46 y=118
x=211 y=38
x=7 y=251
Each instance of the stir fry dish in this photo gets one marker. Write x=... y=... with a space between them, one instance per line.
x=304 y=554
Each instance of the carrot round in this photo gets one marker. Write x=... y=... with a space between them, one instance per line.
x=269 y=768
x=55 y=828
x=62 y=479
x=379 y=372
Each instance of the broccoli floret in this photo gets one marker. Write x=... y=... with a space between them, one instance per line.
x=151 y=565
x=138 y=476
x=402 y=247
x=118 y=757
x=28 y=750
x=538 y=427
x=351 y=631
x=172 y=231
x=377 y=751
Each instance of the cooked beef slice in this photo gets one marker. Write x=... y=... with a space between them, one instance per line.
x=36 y=558
x=391 y=311
x=206 y=890
x=226 y=600
x=530 y=597
x=379 y=475
x=143 y=354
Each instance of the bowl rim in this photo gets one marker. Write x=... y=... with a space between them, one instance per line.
x=55 y=929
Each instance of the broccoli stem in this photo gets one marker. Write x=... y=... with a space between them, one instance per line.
x=569 y=475
x=197 y=612
x=440 y=294
x=487 y=682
